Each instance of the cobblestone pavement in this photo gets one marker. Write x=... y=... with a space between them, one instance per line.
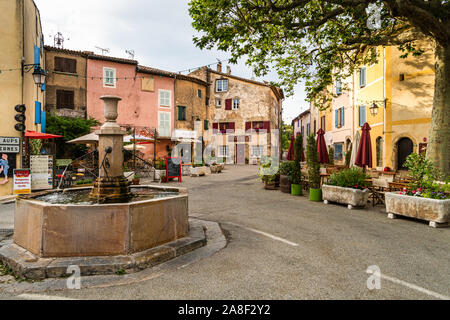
x=285 y=247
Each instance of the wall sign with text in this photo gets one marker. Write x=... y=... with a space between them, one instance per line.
x=9 y=145
x=22 y=181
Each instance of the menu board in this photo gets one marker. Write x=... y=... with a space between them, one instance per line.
x=22 y=181
x=41 y=172
x=173 y=168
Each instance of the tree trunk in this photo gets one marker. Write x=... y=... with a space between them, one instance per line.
x=439 y=146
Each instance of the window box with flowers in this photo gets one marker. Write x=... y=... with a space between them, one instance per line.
x=347 y=187
x=425 y=198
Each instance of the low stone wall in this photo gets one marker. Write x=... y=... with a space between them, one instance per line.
x=348 y=196
x=421 y=208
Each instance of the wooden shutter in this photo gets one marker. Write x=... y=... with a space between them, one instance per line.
x=59 y=64
x=215 y=128
x=248 y=126
x=336 y=120
x=231 y=126
x=266 y=126
x=228 y=104
x=342 y=116
x=205 y=125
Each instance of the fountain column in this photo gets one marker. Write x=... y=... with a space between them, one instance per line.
x=111 y=185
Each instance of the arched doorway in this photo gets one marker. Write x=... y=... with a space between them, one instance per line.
x=405 y=148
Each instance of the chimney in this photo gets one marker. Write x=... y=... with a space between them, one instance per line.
x=228 y=70
x=219 y=67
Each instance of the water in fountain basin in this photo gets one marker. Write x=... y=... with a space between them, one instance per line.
x=81 y=197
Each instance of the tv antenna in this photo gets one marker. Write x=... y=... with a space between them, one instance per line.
x=103 y=50
x=130 y=53
x=58 y=40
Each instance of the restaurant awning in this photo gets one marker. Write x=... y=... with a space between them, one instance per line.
x=40 y=136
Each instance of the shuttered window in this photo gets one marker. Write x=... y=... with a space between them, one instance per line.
x=362 y=115
x=164 y=98
x=164 y=124
x=362 y=77
x=65 y=65
x=109 y=77
x=65 y=99
x=181 y=113
x=205 y=125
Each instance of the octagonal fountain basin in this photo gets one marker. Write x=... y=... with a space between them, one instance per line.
x=70 y=224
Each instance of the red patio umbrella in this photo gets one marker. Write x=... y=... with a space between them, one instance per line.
x=364 y=155
x=322 y=147
x=40 y=136
x=290 y=155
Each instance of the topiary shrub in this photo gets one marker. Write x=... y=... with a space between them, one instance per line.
x=331 y=155
x=296 y=175
x=312 y=158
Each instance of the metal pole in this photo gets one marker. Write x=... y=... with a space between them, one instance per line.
x=134 y=149
x=154 y=148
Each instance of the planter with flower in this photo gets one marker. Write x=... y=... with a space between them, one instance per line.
x=312 y=158
x=269 y=175
x=198 y=170
x=347 y=187
x=286 y=169
x=160 y=170
x=425 y=198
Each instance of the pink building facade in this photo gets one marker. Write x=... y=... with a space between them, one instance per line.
x=147 y=97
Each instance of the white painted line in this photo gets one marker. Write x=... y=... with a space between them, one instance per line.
x=414 y=287
x=27 y=296
x=266 y=234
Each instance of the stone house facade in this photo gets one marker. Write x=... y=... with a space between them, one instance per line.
x=66 y=82
x=302 y=125
x=243 y=115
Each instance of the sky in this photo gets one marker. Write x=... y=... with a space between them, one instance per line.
x=159 y=31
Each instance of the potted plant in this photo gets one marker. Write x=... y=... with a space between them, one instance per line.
x=270 y=176
x=160 y=169
x=348 y=186
x=286 y=169
x=136 y=179
x=296 y=175
x=425 y=198
x=312 y=156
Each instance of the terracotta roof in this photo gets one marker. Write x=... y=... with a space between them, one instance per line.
x=159 y=72
x=112 y=59
x=278 y=91
x=67 y=51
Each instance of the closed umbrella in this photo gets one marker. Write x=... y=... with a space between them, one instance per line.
x=90 y=138
x=290 y=155
x=364 y=155
x=355 y=147
x=322 y=147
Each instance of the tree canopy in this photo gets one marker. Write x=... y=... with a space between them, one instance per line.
x=318 y=41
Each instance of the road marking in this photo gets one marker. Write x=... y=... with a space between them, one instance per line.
x=27 y=296
x=271 y=236
x=414 y=287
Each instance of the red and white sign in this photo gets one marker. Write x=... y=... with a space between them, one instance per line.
x=22 y=181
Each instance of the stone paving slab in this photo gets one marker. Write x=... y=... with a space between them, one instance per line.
x=26 y=265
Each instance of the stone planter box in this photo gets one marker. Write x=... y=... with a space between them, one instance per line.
x=198 y=171
x=186 y=170
x=437 y=212
x=352 y=197
x=159 y=174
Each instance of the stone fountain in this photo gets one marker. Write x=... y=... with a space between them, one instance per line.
x=109 y=228
x=111 y=186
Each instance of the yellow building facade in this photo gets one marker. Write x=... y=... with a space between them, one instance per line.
x=395 y=96
x=22 y=44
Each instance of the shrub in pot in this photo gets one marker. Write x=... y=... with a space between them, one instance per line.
x=286 y=169
x=312 y=158
x=331 y=156
x=296 y=175
x=270 y=176
x=136 y=179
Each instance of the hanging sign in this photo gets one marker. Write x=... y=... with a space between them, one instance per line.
x=22 y=181
x=41 y=172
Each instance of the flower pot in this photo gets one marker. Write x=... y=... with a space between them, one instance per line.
x=270 y=186
x=285 y=184
x=315 y=195
x=296 y=189
x=135 y=182
x=214 y=169
x=351 y=197
x=432 y=210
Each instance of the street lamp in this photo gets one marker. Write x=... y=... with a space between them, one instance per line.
x=374 y=109
x=39 y=75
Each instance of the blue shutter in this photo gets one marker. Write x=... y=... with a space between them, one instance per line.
x=43 y=121
x=343 y=116
x=362 y=115
x=43 y=86
x=336 y=120
x=37 y=55
x=37 y=112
